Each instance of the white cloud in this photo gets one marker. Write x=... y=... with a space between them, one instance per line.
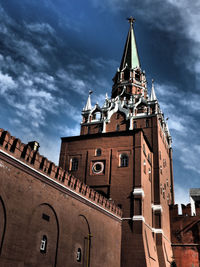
x=6 y=83
x=67 y=131
x=73 y=82
x=40 y=28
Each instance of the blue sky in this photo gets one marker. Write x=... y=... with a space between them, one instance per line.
x=53 y=52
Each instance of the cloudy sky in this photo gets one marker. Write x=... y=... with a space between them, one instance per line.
x=53 y=52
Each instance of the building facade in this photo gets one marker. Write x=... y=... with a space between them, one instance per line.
x=124 y=152
x=110 y=202
x=48 y=217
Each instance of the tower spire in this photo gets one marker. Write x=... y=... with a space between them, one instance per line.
x=88 y=105
x=130 y=56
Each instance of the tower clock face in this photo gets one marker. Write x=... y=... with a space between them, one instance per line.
x=98 y=167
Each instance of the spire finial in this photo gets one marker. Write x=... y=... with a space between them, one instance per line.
x=131 y=20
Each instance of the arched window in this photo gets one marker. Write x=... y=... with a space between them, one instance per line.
x=100 y=129
x=117 y=127
x=144 y=166
x=2 y=223
x=43 y=244
x=98 y=152
x=74 y=164
x=78 y=255
x=137 y=76
x=123 y=160
x=126 y=75
x=98 y=116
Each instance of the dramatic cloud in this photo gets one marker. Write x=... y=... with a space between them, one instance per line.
x=52 y=55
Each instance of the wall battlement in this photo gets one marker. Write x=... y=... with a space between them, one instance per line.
x=26 y=154
x=186 y=210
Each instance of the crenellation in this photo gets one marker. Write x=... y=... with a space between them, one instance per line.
x=24 y=153
x=186 y=210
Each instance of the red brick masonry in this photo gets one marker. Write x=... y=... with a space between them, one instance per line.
x=39 y=200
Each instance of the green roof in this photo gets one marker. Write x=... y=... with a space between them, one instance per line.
x=130 y=55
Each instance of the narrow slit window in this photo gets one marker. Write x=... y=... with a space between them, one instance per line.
x=43 y=244
x=144 y=166
x=98 y=152
x=78 y=255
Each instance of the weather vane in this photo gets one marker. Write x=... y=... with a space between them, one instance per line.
x=131 y=20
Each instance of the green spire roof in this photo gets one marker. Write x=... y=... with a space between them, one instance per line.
x=130 y=55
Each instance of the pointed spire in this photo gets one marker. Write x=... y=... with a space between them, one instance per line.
x=130 y=55
x=153 y=94
x=88 y=105
x=106 y=101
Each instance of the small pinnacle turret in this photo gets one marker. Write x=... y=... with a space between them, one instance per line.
x=88 y=105
x=153 y=94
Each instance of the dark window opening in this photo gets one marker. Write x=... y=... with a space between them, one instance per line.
x=100 y=130
x=78 y=255
x=137 y=76
x=147 y=123
x=74 y=164
x=117 y=127
x=43 y=244
x=98 y=152
x=126 y=75
x=134 y=125
x=123 y=160
x=45 y=217
x=88 y=129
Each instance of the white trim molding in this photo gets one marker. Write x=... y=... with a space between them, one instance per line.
x=158 y=231
x=138 y=192
x=138 y=218
x=157 y=208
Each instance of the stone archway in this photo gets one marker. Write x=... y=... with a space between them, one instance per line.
x=2 y=223
x=43 y=237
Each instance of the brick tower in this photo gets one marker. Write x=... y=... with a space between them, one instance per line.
x=124 y=152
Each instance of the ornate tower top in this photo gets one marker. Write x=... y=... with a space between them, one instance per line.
x=129 y=78
x=129 y=102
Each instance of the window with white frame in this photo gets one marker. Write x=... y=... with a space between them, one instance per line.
x=43 y=244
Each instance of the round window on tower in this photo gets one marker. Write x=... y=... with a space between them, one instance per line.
x=98 y=167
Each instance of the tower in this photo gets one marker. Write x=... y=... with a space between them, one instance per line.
x=124 y=152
